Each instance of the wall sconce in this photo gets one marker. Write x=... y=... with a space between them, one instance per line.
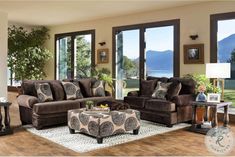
x=102 y=43
x=193 y=37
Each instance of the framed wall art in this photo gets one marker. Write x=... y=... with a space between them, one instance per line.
x=213 y=97
x=194 y=54
x=102 y=56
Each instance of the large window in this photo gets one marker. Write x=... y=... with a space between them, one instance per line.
x=150 y=49
x=223 y=48
x=74 y=54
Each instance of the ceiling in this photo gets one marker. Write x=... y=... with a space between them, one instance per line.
x=57 y=12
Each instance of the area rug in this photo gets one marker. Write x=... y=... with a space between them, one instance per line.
x=82 y=143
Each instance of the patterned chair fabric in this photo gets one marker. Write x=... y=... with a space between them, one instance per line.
x=103 y=124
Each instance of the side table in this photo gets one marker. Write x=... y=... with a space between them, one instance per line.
x=215 y=106
x=5 y=129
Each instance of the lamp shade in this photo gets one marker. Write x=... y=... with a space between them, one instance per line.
x=218 y=70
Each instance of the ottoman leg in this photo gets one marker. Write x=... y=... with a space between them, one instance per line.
x=99 y=140
x=136 y=131
x=72 y=131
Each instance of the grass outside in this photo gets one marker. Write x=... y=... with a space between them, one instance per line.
x=229 y=95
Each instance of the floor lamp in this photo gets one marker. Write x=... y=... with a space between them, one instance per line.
x=218 y=72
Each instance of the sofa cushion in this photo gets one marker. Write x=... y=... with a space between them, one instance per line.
x=72 y=90
x=173 y=90
x=55 y=107
x=57 y=90
x=98 y=88
x=161 y=90
x=135 y=102
x=147 y=87
x=85 y=85
x=43 y=92
x=160 y=105
x=188 y=85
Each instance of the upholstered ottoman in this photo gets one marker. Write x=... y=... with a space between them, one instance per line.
x=103 y=124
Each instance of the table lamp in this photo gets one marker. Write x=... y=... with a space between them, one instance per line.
x=218 y=72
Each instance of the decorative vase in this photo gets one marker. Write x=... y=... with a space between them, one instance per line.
x=201 y=97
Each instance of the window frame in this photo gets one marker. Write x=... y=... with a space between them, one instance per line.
x=142 y=27
x=73 y=35
x=214 y=18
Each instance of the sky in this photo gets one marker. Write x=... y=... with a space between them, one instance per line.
x=157 y=38
x=225 y=28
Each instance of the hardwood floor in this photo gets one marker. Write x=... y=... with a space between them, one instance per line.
x=176 y=143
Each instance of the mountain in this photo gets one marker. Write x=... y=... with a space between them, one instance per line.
x=159 y=60
x=225 y=47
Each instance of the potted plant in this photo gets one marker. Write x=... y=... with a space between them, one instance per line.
x=89 y=105
x=27 y=55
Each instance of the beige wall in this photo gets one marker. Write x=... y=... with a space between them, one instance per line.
x=3 y=54
x=193 y=18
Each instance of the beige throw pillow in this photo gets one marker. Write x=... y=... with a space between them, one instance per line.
x=43 y=92
x=161 y=90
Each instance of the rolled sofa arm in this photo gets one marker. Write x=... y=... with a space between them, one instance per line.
x=133 y=93
x=27 y=100
x=183 y=100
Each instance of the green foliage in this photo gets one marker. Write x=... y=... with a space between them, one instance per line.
x=201 y=79
x=26 y=54
x=103 y=74
x=83 y=57
x=129 y=66
x=232 y=58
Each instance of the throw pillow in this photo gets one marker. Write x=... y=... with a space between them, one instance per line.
x=43 y=92
x=147 y=87
x=161 y=90
x=72 y=90
x=97 y=88
x=173 y=90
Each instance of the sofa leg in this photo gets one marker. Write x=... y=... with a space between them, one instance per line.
x=99 y=140
x=169 y=125
x=136 y=131
x=72 y=131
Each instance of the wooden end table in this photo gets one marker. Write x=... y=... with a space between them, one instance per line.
x=215 y=106
x=6 y=129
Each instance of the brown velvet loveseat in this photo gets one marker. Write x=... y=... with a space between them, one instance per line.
x=175 y=109
x=53 y=112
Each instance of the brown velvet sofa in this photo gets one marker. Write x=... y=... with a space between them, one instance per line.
x=53 y=112
x=169 y=112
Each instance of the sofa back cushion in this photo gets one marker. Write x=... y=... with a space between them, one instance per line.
x=44 y=93
x=57 y=89
x=188 y=85
x=85 y=85
x=173 y=90
x=162 y=79
x=147 y=87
